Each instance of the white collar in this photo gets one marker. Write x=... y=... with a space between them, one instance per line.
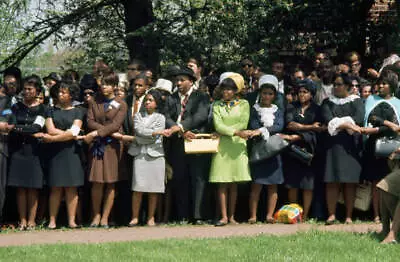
x=271 y=109
x=342 y=101
x=187 y=94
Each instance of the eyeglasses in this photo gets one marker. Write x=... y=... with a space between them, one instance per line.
x=355 y=85
x=249 y=65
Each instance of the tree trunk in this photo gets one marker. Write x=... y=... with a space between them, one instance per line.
x=139 y=13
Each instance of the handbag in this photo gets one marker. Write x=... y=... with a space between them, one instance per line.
x=385 y=146
x=203 y=143
x=301 y=154
x=264 y=149
x=363 y=197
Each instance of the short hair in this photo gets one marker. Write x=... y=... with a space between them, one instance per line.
x=228 y=83
x=141 y=65
x=157 y=98
x=71 y=75
x=110 y=78
x=195 y=60
x=347 y=80
x=351 y=55
x=267 y=86
x=142 y=75
x=390 y=78
x=73 y=88
x=35 y=81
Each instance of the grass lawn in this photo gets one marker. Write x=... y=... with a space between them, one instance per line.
x=310 y=246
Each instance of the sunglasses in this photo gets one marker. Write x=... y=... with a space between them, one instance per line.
x=88 y=94
x=249 y=65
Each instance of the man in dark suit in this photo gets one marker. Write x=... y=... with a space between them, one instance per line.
x=186 y=113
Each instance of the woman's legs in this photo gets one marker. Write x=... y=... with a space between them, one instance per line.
x=33 y=197
x=293 y=195
x=272 y=198
x=136 y=202
x=232 y=202
x=375 y=201
x=349 y=196
x=332 y=194
x=21 y=202
x=307 y=200
x=253 y=201
x=71 y=194
x=54 y=204
x=108 y=203
x=222 y=191
x=151 y=208
x=97 y=197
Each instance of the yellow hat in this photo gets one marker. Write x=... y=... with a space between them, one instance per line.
x=237 y=78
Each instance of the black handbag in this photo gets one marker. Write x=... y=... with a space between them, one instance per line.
x=301 y=154
x=264 y=149
x=385 y=146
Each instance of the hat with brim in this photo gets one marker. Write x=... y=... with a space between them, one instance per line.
x=164 y=85
x=186 y=71
x=53 y=76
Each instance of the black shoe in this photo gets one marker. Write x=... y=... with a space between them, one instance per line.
x=331 y=222
x=220 y=224
x=198 y=222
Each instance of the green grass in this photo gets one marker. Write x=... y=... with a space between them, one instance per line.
x=310 y=246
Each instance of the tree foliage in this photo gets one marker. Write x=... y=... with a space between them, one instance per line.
x=219 y=31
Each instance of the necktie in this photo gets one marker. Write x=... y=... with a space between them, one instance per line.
x=183 y=105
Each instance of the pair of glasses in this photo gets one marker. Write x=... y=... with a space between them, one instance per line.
x=356 y=85
x=249 y=65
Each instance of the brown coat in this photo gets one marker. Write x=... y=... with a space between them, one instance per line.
x=106 y=122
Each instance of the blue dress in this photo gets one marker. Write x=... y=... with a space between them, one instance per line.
x=269 y=171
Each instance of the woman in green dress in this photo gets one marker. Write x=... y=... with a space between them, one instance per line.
x=230 y=165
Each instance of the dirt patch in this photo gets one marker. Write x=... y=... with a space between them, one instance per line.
x=165 y=232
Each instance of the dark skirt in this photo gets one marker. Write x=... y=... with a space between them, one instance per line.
x=25 y=167
x=267 y=172
x=343 y=159
x=65 y=168
x=298 y=174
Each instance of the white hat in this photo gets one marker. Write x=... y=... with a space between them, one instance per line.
x=164 y=84
x=268 y=79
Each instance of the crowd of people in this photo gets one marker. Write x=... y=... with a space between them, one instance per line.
x=88 y=142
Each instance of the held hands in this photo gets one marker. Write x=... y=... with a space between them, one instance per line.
x=89 y=137
x=290 y=138
x=318 y=127
x=245 y=134
x=5 y=127
x=172 y=130
x=188 y=135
